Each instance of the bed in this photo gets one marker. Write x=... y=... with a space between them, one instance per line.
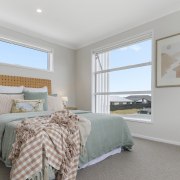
x=109 y=133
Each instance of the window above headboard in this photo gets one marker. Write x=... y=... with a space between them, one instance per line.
x=23 y=55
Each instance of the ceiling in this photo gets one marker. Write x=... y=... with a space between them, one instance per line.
x=77 y=23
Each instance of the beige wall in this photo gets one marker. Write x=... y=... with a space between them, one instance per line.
x=63 y=77
x=166 y=116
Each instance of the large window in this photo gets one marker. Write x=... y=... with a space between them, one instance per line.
x=122 y=79
x=26 y=56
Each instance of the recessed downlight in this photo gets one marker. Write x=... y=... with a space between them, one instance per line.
x=39 y=10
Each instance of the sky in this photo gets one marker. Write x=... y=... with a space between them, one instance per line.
x=135 y=79
x=15 y=54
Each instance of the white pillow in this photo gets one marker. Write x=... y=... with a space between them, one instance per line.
x=6 y=102
x=54 y=103
x=43 y=89
x=11 y=89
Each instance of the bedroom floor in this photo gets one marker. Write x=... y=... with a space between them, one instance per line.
x=148 y=161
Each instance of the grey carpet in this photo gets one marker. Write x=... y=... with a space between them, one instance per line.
x=148 y=161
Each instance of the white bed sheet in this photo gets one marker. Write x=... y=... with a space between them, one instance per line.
x=101 y=158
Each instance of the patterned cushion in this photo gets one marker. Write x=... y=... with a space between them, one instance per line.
x=6 y=102
x=27 y=106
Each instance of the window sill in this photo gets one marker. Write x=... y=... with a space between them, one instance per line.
x=138 y=118
x=25 y=67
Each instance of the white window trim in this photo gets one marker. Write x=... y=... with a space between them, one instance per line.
x=139 y=120
x=25 y=67
x=50 y=67
x=124 y=67
x=138 y=38
x=122 y=92
x=124 y=42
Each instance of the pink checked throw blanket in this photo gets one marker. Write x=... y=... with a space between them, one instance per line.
x=52 y=140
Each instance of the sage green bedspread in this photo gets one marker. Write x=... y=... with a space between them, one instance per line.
x=107 y=133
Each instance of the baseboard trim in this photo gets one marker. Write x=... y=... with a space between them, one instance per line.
x=156 y=139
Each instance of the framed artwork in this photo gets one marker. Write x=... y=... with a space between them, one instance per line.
x=168 y=61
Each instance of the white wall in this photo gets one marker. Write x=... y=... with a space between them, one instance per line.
x=63 y=77
x=166 y=108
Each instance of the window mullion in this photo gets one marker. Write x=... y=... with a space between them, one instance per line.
x=122 y=92
x=124 y=67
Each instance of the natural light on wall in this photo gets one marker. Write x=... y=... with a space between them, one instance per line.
x=122 y=79
x=18 y=54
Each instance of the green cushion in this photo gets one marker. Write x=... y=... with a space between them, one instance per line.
x=37 y=95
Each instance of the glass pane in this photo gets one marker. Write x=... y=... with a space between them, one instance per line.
x=102 y=82
x=128 y=105
x=102 y=61
x=102 y=104
x=131 y=105
x=19 y=55
x=134 y=54
x=135 y=79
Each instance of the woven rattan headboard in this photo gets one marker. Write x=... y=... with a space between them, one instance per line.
x=25 y=81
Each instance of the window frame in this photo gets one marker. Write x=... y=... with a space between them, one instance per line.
x=117 y=45
x=49 y=52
